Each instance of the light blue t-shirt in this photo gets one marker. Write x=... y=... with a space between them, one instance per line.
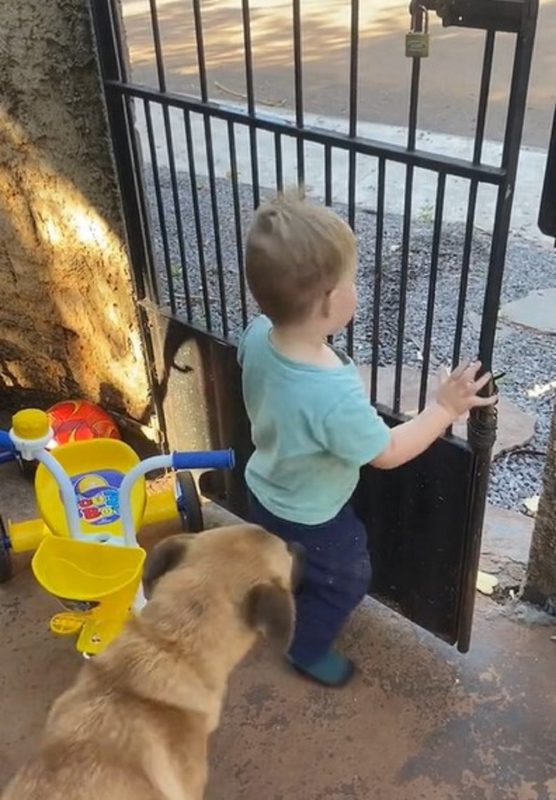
x=313 y=429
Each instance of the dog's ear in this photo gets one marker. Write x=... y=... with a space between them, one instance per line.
x=164 y=556
x=271 y=610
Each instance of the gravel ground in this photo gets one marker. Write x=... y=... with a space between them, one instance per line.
x=529 y=359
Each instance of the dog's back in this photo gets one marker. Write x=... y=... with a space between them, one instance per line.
x=103 y=739
x=136 y=722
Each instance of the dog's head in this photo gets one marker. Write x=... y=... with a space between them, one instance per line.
x=240 y=578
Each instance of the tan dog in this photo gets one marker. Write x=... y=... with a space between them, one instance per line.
x=135 y=724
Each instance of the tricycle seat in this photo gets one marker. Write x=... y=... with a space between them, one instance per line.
x=97 y=468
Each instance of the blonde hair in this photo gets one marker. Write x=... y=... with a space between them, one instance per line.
x=296 y=253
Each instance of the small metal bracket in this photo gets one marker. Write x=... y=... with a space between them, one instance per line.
x=496 y=15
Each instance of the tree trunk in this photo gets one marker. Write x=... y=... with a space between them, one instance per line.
x=540 y=585
x=69 y=325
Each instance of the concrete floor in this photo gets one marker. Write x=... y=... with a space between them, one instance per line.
x=420 y=721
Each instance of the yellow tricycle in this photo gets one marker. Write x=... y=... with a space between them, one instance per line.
x=92 y=500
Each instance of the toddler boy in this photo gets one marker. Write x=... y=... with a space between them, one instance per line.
x=312 y=424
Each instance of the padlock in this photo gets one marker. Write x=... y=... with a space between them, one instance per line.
x=417 y=41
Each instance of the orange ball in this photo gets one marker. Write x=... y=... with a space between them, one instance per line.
x=78 y=420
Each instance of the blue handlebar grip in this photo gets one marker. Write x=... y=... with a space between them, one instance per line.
x=210 y=459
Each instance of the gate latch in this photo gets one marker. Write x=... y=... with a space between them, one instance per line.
x=417 y=40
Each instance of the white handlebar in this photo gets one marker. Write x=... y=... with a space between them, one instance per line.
x=66 y=490
x=155 y=462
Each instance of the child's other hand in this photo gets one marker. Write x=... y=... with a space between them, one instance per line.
x=458 y=392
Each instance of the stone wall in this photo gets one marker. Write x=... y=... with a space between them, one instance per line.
x=68 y=321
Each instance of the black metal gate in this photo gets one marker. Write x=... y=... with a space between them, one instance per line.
x=186 y=218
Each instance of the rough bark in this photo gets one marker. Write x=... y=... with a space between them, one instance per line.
x=540 y=586
x=68 y=320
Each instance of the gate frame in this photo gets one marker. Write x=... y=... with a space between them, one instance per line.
x=215 y=392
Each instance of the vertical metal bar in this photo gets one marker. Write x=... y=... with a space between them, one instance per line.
x=251 y=110
x=200 y=42
x=351 y=220
x=377 y=277
x=160 y=206
x=484 y=92
x=411 y=139
x=197 y=218
x=473 y=190
x=440 y=192
x=351 y=186
x=298 y=82
x=353 y=98
x=413 y=103
x=328 y=190
x=210 y=162
x=142 y=226
x=404 y=279
x=177 y=211
x=482 y=422
x=465 y=266
x=328 y=174
x=216 y=223
x=157 y=46
x=248 y=53
x=512 y=142
x=352 y=162
x=237 y=218
x=106 y=22
x=278 y=162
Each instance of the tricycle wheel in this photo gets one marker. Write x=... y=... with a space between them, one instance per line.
x=6 y=566
x=189 y=504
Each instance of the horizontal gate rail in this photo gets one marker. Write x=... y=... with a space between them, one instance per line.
x=420 y=159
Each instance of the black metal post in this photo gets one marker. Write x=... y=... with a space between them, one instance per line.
x=482 y=422
x=107 y=28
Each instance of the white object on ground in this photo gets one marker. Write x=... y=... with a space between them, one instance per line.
x=532 y=504
x=486 y=583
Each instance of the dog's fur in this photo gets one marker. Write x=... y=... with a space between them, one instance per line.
x=136 y=722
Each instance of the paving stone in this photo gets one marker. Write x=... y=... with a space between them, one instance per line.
x=535 y=310
x=506 y=535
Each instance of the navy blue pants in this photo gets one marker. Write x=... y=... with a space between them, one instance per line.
x=336 y=577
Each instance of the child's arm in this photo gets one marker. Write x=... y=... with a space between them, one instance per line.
x=457 y=394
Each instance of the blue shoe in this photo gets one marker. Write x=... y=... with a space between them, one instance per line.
x=332 y=669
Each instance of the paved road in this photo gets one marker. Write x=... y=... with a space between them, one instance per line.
x=450 y=75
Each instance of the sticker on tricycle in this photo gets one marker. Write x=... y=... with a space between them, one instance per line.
x=97 y=496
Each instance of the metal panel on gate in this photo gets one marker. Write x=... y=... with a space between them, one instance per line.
x=417 y=519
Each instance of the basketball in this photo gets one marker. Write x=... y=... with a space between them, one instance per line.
x=78 y=420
